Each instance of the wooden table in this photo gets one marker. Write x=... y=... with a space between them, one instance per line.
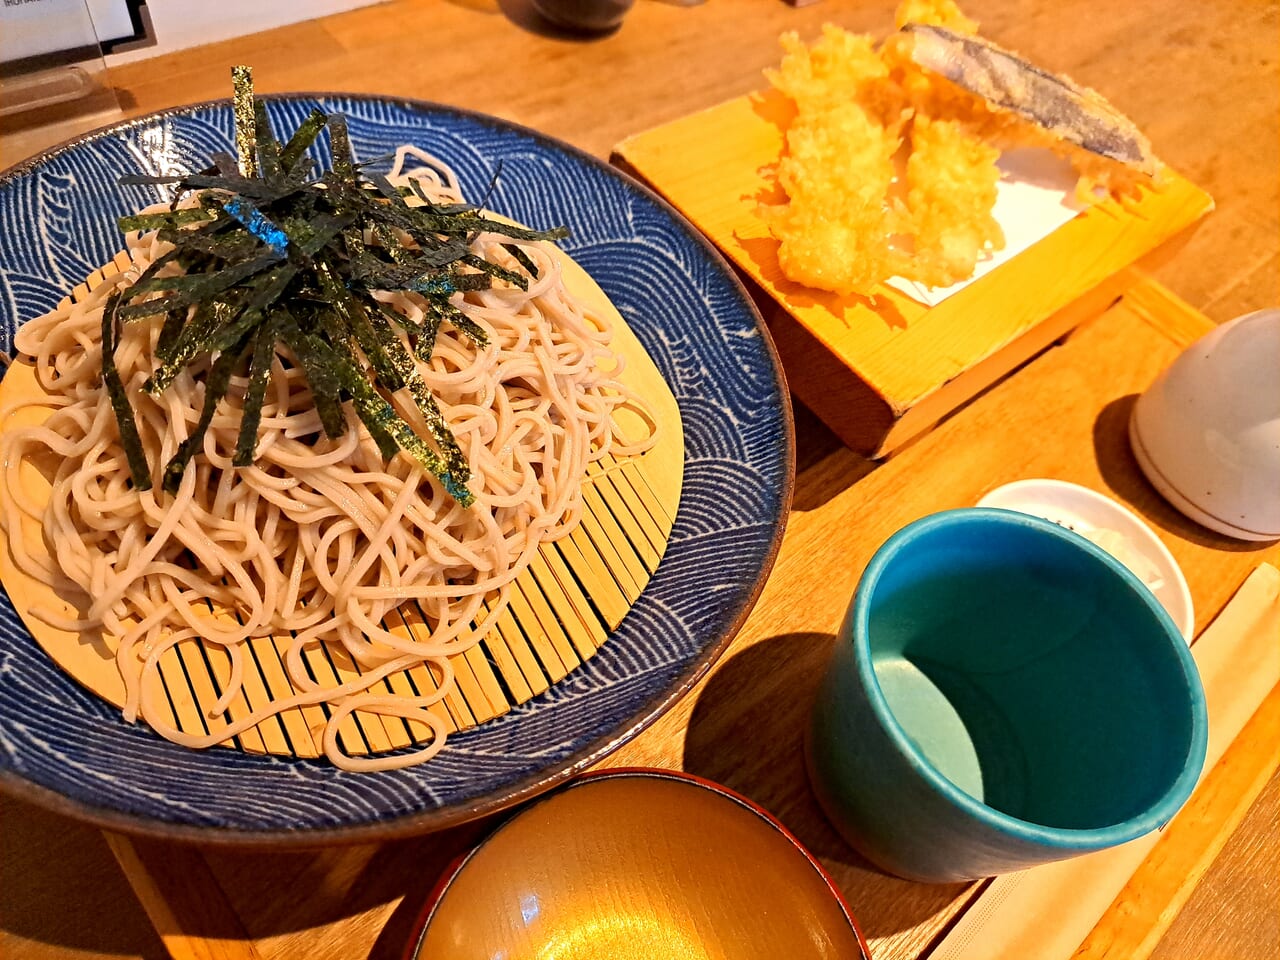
x=1200 y=79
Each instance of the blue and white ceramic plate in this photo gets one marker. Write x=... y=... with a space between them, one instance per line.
x=63 y=747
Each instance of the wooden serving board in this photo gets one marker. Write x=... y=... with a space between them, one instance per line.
x=881 y=369
x=207 y=903
x=574 y=594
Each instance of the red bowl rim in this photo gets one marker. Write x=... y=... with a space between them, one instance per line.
x=454 y=869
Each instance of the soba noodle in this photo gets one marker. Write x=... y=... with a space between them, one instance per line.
x=319 y=538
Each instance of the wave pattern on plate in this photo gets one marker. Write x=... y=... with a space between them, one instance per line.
x=57 y=224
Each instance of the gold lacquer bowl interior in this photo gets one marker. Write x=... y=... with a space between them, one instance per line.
x=643 y=864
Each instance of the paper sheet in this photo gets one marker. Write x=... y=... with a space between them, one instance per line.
x=1035 y=196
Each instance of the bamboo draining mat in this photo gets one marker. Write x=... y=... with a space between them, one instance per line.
x=575 y=592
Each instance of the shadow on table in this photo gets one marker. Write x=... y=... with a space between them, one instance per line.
x=825 y=467
x=62 y=891
x=60 y=886
x=339 y=885
x=746 y=732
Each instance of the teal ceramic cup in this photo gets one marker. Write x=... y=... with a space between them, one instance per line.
x=1002 y=694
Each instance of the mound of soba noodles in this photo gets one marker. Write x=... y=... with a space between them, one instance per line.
x=319 y=538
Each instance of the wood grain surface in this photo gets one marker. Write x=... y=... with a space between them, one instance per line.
x=1201 y=79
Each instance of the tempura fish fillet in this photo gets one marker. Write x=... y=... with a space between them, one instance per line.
x=1006 y=81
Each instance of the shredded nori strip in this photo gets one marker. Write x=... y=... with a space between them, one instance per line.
x=323 y=380
x=245 y=116
x=427 y=341
x=215 y=388
x=523 y=259
x=189 y=342
x=268 y=145
x=340 y=147
x=445 y=310
x=173 y=323
x=303 y=138
x=170 y=218
x=263 y=353
x=194 y=288
x=278 y=254
x=129 y=438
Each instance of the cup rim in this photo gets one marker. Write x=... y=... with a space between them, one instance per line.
x=1046 y=497
x=1156 y=815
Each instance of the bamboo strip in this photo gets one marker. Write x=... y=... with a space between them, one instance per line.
x=530 y=669
x=300 y=722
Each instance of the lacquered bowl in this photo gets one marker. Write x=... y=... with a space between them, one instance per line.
x=645 y=864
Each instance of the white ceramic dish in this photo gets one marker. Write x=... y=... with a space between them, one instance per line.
x=1111 y=526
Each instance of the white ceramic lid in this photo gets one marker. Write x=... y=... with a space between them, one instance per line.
x=1111 y=526
x=1206 y=432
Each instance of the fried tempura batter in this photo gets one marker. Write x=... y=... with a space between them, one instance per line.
x=890 y=170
